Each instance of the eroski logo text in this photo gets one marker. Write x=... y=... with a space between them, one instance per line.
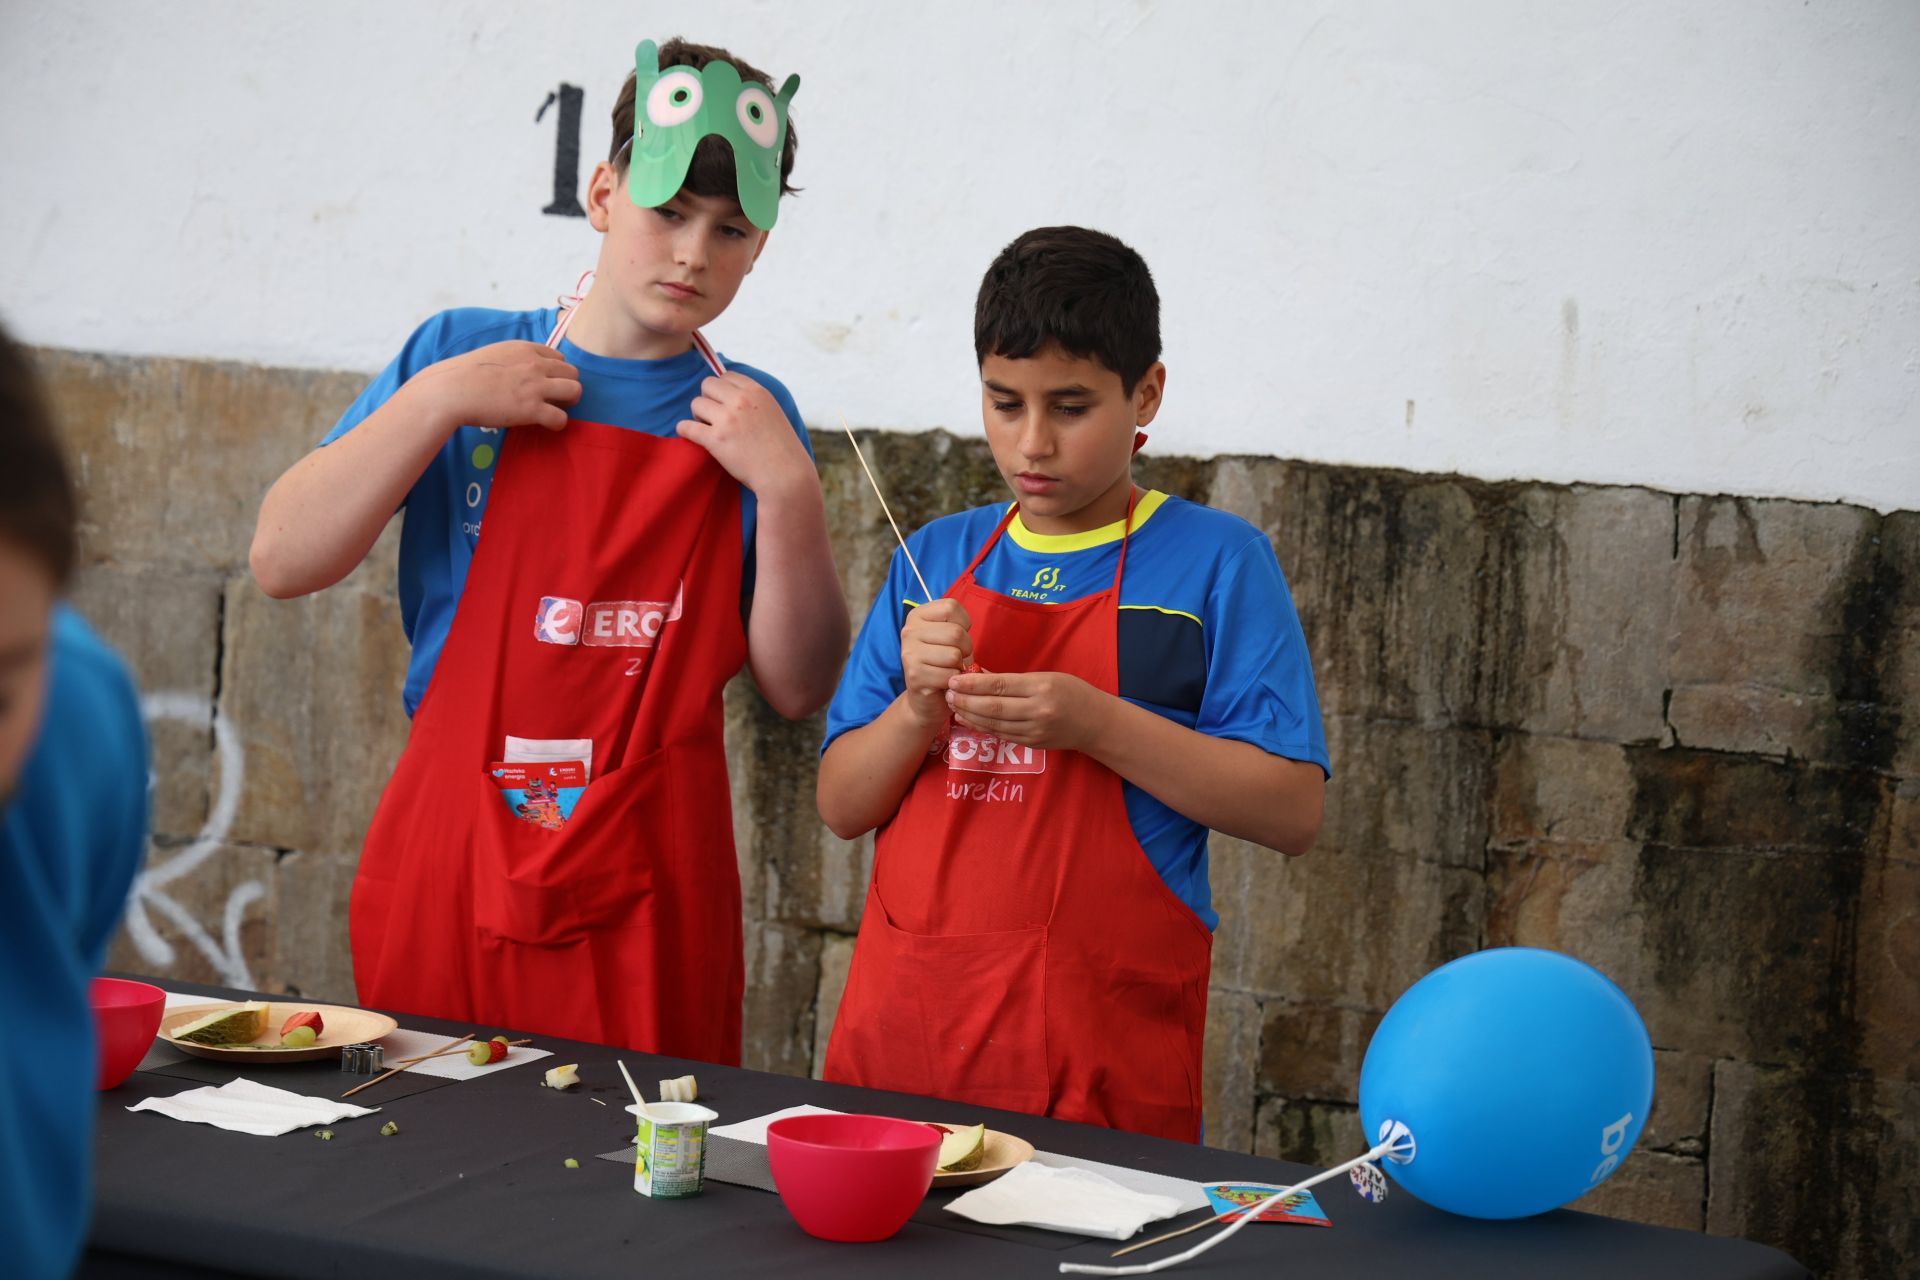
x=975 y=752
x=621 y=624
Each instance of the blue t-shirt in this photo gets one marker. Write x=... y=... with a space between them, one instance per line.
x=72 y=837
x=1207 y=636
x=445 y=506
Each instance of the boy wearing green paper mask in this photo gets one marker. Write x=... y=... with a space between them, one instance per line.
x=666 y=527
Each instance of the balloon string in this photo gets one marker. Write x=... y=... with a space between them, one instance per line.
x=1251 y=1213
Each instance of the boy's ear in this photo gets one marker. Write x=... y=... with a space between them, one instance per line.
x=601 y=189
x=1148 y=394
x=760 y=248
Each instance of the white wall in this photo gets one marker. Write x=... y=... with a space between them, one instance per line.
x=1656 y=243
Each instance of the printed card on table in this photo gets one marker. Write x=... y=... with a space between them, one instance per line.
x=1230 y=1200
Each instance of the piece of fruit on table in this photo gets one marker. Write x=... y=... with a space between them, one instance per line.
x=236 y=1024
x=300 y=1037
x=962 y=1149
x=307 y=1019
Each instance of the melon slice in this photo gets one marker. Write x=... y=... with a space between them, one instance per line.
x=240 y=1024
x=962 y=1149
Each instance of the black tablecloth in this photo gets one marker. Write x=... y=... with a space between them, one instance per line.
x=475 y=1184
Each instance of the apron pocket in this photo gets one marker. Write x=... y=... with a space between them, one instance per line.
x=547 y=886
x=1143 y=1031
x=981 y=1005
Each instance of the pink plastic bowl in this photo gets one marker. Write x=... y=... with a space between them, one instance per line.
x=851 y=1177
x=126 y=1017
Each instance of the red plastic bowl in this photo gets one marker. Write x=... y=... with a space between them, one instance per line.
x=126 y=1017
x=851 y=1177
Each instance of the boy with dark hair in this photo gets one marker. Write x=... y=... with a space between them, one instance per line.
x=1044 y=749
x=666 y=527
x=73 y=830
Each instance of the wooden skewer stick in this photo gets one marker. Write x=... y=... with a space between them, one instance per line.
x=884 y=507
x=1207 y=1221
x=404 y=1063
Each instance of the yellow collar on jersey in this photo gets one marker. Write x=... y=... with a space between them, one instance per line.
x=1053 y=543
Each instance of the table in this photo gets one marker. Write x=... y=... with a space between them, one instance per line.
x=475 y=1184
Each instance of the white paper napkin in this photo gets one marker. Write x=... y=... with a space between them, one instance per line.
x=1189 y=1195
x=246 y=1107
x=1073 y=1200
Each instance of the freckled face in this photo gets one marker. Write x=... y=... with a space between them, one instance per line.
x=674 y=267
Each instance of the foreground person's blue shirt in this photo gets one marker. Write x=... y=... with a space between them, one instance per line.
x=72 y=837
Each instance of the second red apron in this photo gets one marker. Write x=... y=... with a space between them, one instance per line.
x=603 y=603
x=1018 y=950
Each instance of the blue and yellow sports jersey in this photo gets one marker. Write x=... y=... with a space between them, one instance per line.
x=1208 y=638
x=445 y=506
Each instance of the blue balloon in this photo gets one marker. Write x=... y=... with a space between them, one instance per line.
x=1524 y=1076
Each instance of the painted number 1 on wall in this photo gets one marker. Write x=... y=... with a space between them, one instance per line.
x=566 y=151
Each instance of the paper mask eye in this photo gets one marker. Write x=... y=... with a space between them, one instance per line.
x=674 y=98
x=755 y=110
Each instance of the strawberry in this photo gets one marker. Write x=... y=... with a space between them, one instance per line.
x=496 y=1049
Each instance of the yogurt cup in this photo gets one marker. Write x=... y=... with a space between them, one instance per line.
x=670 y=1159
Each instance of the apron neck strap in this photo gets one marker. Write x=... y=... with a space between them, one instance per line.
x=987 y=546
x=707 y=353
x=570 y=305
x=1126 y=536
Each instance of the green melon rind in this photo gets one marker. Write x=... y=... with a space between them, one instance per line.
x=238 y=1025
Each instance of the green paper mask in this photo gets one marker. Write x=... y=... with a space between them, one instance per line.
x=674 y=109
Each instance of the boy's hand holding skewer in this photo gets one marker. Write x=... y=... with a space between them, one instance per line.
x=1033 y=708
x=935 y=646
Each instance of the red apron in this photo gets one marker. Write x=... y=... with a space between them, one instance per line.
x=603 y=602
x=1018 y=950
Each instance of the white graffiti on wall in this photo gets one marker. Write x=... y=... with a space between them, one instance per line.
x=149 y=888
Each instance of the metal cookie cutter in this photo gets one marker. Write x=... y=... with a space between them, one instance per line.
x=362 y=1059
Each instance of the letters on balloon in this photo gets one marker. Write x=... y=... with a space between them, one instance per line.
x=1611 y=1139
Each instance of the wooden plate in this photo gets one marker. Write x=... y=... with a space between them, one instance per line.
x=344 y=1026
x=1002 y=1152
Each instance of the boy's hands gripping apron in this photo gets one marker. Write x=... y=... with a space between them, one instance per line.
x=1018 y=950
x=603 y=602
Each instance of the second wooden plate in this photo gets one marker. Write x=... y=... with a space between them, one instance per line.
x=1003 y=1151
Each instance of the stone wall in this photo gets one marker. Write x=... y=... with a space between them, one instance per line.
x=1674 y=736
